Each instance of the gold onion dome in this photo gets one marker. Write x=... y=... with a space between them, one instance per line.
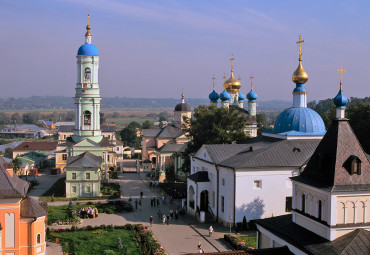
x=300 y=76
x=232 y=84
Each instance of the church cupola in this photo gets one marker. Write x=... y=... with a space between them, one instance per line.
x=340 y=100
x=181 y=110
x=232 y=85
x=213 y=96
x=87 y=97
x=252 y=97
x=300 y=77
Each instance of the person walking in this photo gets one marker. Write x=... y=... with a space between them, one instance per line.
x=164 y=219
x=136 y=202
x=168 y=219
x=210 y=231
x=141 y=194
x=200 y=248
x=176 y=214
x=151 y=220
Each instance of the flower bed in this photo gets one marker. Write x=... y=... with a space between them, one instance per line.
x=245 y=242
x=90 y=240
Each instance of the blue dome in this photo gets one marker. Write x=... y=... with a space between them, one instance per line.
x=214 y=96
x=252 y=96
x=87 y=50
x=340 y=100
x=225 y=96
x=241 y=96
x=300 y=119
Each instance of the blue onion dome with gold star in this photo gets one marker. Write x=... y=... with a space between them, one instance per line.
x=299 y=120
x=88 y=49
x=225 y=96
x=340 y=100
x=241 y=96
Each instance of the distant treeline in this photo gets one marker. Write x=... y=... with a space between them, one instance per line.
x=60 y=102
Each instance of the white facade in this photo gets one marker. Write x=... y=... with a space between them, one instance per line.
x=233 y=194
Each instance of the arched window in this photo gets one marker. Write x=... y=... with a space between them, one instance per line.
x=319 y=213
x=303 y=207
x=87 y=73
x=38 y=238
x=87 y=118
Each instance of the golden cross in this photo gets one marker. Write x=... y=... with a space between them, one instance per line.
x=252 y=77
x=300 y=47
x=232 y=62
x=88 y=19
x=213 y=81
x=341 y=71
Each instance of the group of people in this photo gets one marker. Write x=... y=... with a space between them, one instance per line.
x=165 y=219
x=88 y=212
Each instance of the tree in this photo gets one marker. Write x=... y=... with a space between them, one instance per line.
x=16 y=118
x=116 y=115
x=147 y=125
x=8 y=152
x=4 y=118
x=129 y=135
x=358 y=114
x=262 y=122
x=212 y=125
x=31 y=117
x=17 y=164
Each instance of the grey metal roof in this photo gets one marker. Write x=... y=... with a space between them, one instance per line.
x=182 y=107
x=12 y=187
x=84 y=160
x=172 y=147
x=170 y=132
x=220 y=152
x=31 y=208
x=150 y=132
x=355 y=242
x=283 y=153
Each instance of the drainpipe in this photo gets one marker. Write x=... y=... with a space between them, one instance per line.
x=217 y=194
x=234 y=193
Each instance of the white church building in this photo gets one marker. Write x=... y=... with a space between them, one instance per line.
x=252 y=179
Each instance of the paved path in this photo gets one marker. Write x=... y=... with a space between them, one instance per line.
x=180 y=237
x=45 y=182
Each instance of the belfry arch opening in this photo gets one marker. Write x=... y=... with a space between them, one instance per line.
x=87 y=118
x=87 y=74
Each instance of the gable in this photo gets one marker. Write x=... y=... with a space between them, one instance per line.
x=86 y=143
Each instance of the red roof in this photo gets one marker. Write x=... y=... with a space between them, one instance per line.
x=33 y=146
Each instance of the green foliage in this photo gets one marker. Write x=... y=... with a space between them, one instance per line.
x=262 y=122
x=358 y=112
x=129 y=135
x=212 y=125
x=244 y=242
x=17 y=164
x=16 y=118
x=31 y=117
x=8 y=152
x=147 y=125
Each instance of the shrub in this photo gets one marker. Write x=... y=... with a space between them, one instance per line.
x=119 y=243
x=74 y=228
x=109 y=211
x=110 y=227
x=89 y=227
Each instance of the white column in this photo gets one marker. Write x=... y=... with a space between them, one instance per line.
x=79 y=116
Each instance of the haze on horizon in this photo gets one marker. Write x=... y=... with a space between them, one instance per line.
x=154 y=49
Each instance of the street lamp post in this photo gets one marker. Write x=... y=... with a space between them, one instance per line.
x=230 y=218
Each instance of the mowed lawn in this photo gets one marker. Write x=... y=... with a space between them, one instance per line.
x=98 y=241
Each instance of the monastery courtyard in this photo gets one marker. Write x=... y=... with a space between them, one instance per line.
x=179 y=237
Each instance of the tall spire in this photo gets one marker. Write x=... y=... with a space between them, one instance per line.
x=88 y=26
x=341 y=71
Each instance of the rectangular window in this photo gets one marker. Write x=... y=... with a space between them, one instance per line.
x=74 y=189
x=257 y=184
x=74 y=176
x=108 y=158
x=87 y=189
x=87 y=176
x=288 y=204
x=222 y=204
x=64 y=156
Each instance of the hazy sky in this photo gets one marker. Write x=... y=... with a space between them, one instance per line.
x=157 y=48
